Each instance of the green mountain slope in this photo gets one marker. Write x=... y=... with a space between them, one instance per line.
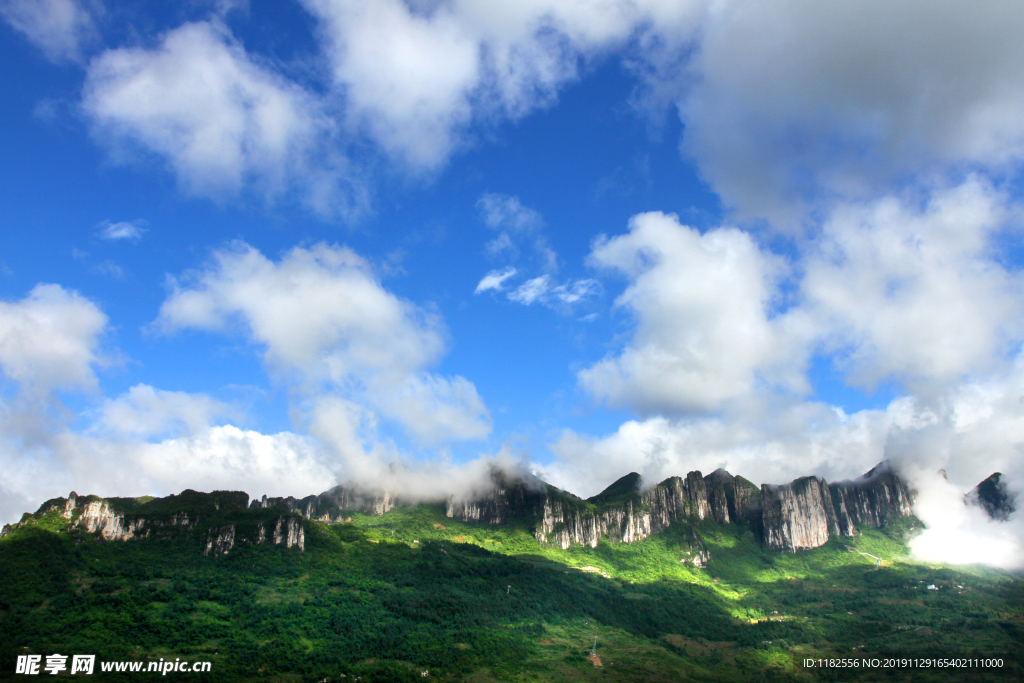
x=387 y=598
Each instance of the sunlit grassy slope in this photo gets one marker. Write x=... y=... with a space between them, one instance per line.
x=387 y=598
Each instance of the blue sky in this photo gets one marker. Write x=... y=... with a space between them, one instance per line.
x=271 y=246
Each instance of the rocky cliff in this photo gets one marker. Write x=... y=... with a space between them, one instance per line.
x=219 y=519
x=797 y=515
x=510 y=497
x=873 y=500
x=733 y=498
x=331 y=505
x=805 y=513
x=993 y=497
x=802 y=514
x=809 y=511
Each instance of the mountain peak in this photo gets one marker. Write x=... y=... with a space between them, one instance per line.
x=991 y=495
x=620 y=488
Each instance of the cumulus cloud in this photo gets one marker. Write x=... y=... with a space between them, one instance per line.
x=60 y=28
x=218 y=458
x=49 y=340
x=962 y=534
x=701 y=306
x=969 y=430
x=323 y=316
x=801 y=101
x=122 y=230
x=416 y=75
x=915 y=293
x=223 y=120
x=143 y=412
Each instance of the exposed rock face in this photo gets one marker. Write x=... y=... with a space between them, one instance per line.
x=288 y=530
x=123 y=519
x=510 y=497
x=873 y=500
x=220 y=540
x=622 y=512
x=798 y=515
x=98 y=517
x=993 y=497
x=330 y=505
x=732 y=499
x=809 y=511
x=802 y=514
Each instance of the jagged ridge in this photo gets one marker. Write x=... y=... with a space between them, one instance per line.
x=805 y=513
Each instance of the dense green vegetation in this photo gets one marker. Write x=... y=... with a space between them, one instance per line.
x=386 y=598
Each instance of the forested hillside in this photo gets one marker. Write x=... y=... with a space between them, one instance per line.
x=389 y=597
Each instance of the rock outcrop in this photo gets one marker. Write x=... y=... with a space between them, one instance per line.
x=288 y=531
x=220 y=540
x=873 y=500
x=809 y=511
x=510 y=497
x=622 y=512
x=805 y=513
x=331 y=505
x=204 y=516
x=733 y=498
x=797 y=515
x=993 y=497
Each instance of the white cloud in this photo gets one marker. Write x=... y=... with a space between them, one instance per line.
x=915 y=293
x=544 y=290
x=122 y=230
x=961 y=534
x=416 y=75
x=701 y=305
x=799 y=100
x=520 y=226
x=494 y=280
x=224 y=121
x=49 y=340
x=218 y=458
x=531 y=291
x=503 y=212
x=576 y=291
x=323 y=316
x=969 y=430
x=143 y=412
x=60 y=28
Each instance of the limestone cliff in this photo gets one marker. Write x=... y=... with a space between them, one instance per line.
x=219 y=520
x=797 y=515
x=802 y=514
x=288 y=531
x=872 y=500
x=510 y=497
x=331 y=505
x=809 y=511
x=623 y=512
x=733 y=498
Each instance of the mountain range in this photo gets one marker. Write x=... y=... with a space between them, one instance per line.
x=804 y=513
